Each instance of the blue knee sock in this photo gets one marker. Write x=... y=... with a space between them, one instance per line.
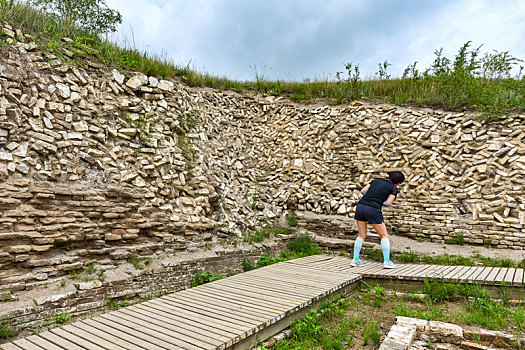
x=357 y=247
x=385 y=247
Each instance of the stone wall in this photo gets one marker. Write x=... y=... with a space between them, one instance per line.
x=95 y=164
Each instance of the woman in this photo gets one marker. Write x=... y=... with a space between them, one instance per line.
x=368 y=211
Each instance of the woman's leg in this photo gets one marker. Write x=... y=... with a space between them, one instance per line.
x=385 y=242
x=362 y=227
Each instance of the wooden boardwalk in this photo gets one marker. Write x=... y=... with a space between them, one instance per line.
x=229 y=313
x=235 y=312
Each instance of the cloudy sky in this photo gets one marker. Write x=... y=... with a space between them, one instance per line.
x=313 y=39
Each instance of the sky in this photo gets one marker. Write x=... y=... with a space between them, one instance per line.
x=297 y=40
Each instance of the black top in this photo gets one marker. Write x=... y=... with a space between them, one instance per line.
x=379 y=191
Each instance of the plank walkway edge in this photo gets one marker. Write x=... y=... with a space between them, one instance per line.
x=236 y=312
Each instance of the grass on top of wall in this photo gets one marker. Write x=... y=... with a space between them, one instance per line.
x=492 y=83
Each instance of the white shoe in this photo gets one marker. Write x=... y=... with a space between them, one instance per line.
x=356 y=263
x=389 y=265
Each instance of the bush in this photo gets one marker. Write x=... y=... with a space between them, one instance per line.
x=90 y=16
x=303 y=246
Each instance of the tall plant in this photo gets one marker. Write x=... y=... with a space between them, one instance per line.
x=91 y=16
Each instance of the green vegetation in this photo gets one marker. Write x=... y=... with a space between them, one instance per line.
x=203 y=277
x=6 y=330
x=87 y=273
x=291 y=218
x=7 y=296
x=470 y=80
x=262 y=234
x=445 y=259
x=356 y=320
x=298 y=247
x=62 y=318
x=459 y=239
x=138 y=263
x=326 y=327
x=115 y=304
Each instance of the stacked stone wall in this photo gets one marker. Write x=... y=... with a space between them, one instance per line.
x=96 y=164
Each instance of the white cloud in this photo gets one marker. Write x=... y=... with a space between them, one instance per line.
x=295 y=39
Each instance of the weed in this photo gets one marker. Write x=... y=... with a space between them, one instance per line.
x=459 y=239
x=203 y=277
x=303 y=245
x=247 y=266
x=62 y=318
x=63 y=283
x=410 y=257
x=420 y=238
x=7 y=297
x=136 y=261
x=175 y=248
x=6 y=330
x=291 y=218
x=372 y=333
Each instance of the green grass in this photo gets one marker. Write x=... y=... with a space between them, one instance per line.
x=203 y=277
x=298 y=247
x=6 y=330
x=470 y=80
x=454 y=260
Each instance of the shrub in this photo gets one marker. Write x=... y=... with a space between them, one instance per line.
x=90 y=16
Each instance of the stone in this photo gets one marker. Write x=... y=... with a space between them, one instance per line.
x=53 y=298
x=63 y=90
x=88 y=285
x=4 y=156
x=137 y=81
x=119 y=78
x=398 y=338
x=447 y=332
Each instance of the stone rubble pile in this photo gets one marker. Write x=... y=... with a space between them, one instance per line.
x=96 y=164
x=415 y=334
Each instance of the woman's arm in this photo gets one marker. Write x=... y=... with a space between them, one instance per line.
x=390 y=200
x=365 y=189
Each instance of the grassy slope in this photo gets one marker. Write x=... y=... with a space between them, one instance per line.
x=465 y=82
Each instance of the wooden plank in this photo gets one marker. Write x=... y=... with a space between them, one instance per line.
x=451 y=272
x=274 y=299
x=307 y=273
x=247 y=301
x=131 y=338
x=211 y=318
x=482 y=276
x=239 y=313
x=160 y=338
x=282 y=294
x=26 y=345
x=392 y=273
x=517 y=277
x=197 y=303
x=509 y=277
x=59 y=341
x=301 y=278
x=123 y=344
x=410 y=272
x=75 y=339
x=459 y=273
x=143 y=336
x=289 y=289
x=414 y=272
x=35 y=339
x=91 y=338
x=9 y=346
x=176 y=319
x=492 y=275
x=309 y=285
x=182 y=331
x=440 y=271
x=431 y=273
x=501 y=275
x=474 y=276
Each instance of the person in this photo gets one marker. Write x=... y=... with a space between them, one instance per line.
x=368 y=211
